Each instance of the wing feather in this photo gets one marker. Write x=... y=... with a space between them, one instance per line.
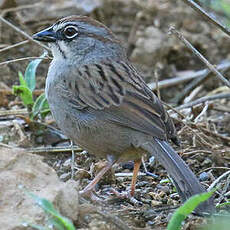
x=118 y=90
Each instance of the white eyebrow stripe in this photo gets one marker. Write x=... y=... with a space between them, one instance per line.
x=62 y=25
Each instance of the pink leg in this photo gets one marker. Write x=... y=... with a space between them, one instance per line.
x=130 y=195
x=87 y=191
x=137 y=164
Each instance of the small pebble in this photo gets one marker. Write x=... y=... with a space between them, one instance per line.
x=141 y=184
x=155 y=203
x=165 y=188
x=81 y=173
x=151 y=160
x=151 y=223
x=67 y=163
x=203 y=176
x=65 y=176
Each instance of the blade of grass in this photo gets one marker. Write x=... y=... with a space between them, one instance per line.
x=30 y=73
x=182 y=212
x=49 y=208
x=40 y=106
x=22 y=79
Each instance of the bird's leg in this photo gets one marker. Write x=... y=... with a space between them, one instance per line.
x=137 y=164
x=129 y=195
x=88 y=190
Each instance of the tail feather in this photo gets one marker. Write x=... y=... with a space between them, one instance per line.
x=184 y=179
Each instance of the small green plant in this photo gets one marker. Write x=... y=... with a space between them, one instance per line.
x=26 y=88
x=187 y=208
x=55 y=219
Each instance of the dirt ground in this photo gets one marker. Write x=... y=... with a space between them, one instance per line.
x=203 y=128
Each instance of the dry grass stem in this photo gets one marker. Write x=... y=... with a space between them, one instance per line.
x=23 y=7
x=172 y=30
x=21 y=59
x=23 y=33
x=203 y=100
x=215 y=182
x=55 y=149
x=14 y=45
x=207 y=16
x=187 y=77
x=13 y=112
x=72 y=159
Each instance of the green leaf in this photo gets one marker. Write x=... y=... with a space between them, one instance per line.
x=44 y=113
x=57 y=225
x=30 y=72
x=22 y=79
x=24 y=93
x=57 y=219
x=182 y=212
x=223 y=204
x=40 y=106
x=167 y=180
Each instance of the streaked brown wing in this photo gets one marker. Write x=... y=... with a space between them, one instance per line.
x=120 y=91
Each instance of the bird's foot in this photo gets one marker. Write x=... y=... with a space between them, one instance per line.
x=91 y=195
x=125 y=196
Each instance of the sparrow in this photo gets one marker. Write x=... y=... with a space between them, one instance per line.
x=101 y=102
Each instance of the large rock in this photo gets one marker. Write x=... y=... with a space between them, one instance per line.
x=18 y=167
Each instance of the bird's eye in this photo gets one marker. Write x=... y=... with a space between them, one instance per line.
x=70 y=31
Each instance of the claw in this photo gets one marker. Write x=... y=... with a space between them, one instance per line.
x=125 y=196
x=92 y=195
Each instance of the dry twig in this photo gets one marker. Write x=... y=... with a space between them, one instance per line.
x=23 y=33
x=55 y=149
x=21 y=59
x=14 y=45
x=194 y=75
x=214 y=183
x=172 y=30
x=207 y=16
x=13 y=112
x=204 y=99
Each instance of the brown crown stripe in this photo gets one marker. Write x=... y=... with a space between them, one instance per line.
x=92 y=22
x=84 y=19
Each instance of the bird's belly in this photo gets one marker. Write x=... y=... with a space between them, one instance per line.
x=97 y=136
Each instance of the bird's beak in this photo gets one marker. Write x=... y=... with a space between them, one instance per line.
x=47 y=35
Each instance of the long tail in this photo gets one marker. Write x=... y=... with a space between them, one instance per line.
x=184 y=179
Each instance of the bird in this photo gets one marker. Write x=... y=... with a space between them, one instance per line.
x=101 y=102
